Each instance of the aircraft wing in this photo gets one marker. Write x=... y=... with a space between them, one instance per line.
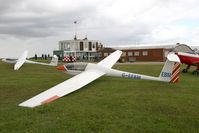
x=63 y=88
x=111 y=59
x=73 y=83
x=53 y=62
x=21 y=60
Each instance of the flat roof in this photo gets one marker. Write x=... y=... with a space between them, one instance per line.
x=152 y=46
x=79 y=40
x=143 y=47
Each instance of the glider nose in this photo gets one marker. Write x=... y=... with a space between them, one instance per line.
x=62 y=68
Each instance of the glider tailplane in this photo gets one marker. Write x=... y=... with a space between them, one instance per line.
x=54 y=61
x=171 y=69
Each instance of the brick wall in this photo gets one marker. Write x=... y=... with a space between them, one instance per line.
x=145 y=54
x=156 y=54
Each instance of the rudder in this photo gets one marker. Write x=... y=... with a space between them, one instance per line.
x=171 y=69
x=175 y=73
x=54 y=61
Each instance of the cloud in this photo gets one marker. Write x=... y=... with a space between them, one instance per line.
x=114 y=22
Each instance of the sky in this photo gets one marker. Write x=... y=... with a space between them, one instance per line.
x=38 y=25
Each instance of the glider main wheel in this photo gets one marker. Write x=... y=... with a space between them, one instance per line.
x=184 y=70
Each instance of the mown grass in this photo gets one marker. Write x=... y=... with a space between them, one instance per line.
x=106 y=105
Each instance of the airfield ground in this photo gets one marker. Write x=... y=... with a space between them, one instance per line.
x=106 y=105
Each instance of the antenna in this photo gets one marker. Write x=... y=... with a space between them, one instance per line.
x=75 y=22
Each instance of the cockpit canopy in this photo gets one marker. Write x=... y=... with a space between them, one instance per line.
x=76 y=66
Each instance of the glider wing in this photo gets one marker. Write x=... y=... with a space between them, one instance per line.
x=74 y=83
x=63 y=88
x=111 y=59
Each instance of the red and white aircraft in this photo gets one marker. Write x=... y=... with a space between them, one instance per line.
x=86 y=73
x=22 y=59
x=189 y=59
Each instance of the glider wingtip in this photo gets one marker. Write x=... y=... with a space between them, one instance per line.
x=27 y=105
x=16 y=68
x=21 y=105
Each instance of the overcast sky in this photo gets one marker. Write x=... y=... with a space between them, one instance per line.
x=38 y=25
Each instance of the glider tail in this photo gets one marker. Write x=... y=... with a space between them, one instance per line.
x=171 y=69
x=54 y=61
x=21 y=60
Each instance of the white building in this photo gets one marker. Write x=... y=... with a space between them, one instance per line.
x=82 y=49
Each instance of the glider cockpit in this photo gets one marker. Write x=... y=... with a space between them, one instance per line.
x=75 y=66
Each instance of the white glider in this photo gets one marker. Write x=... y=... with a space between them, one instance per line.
x=169 y=73
x=22 y=59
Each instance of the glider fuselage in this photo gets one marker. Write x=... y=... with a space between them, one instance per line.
x=77 y=68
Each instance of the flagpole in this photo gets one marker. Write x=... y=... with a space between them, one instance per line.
x=75 y=22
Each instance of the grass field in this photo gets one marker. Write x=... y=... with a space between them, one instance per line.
x=107 y=105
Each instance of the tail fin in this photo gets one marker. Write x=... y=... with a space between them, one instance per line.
x=21 y=60
x=54 y=61
x=171 y=69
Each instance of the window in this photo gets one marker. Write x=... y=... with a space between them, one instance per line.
x=81 y=46
x=90 y=46
x=68 y=45
x=130 y=53
x=100 y=55
x=145 y=53
x=105 y=54
x=64 y=46
x=137 y=53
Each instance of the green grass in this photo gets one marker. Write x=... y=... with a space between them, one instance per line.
x=107 y=105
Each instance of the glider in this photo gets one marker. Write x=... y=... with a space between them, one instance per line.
x=22 y=59
x=86 y=73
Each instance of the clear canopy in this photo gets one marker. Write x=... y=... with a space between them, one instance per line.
x=76 y=66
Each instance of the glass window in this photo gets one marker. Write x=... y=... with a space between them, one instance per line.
x=137 y=53
x=68 y=45
x=105 y=54
x=130 y=53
